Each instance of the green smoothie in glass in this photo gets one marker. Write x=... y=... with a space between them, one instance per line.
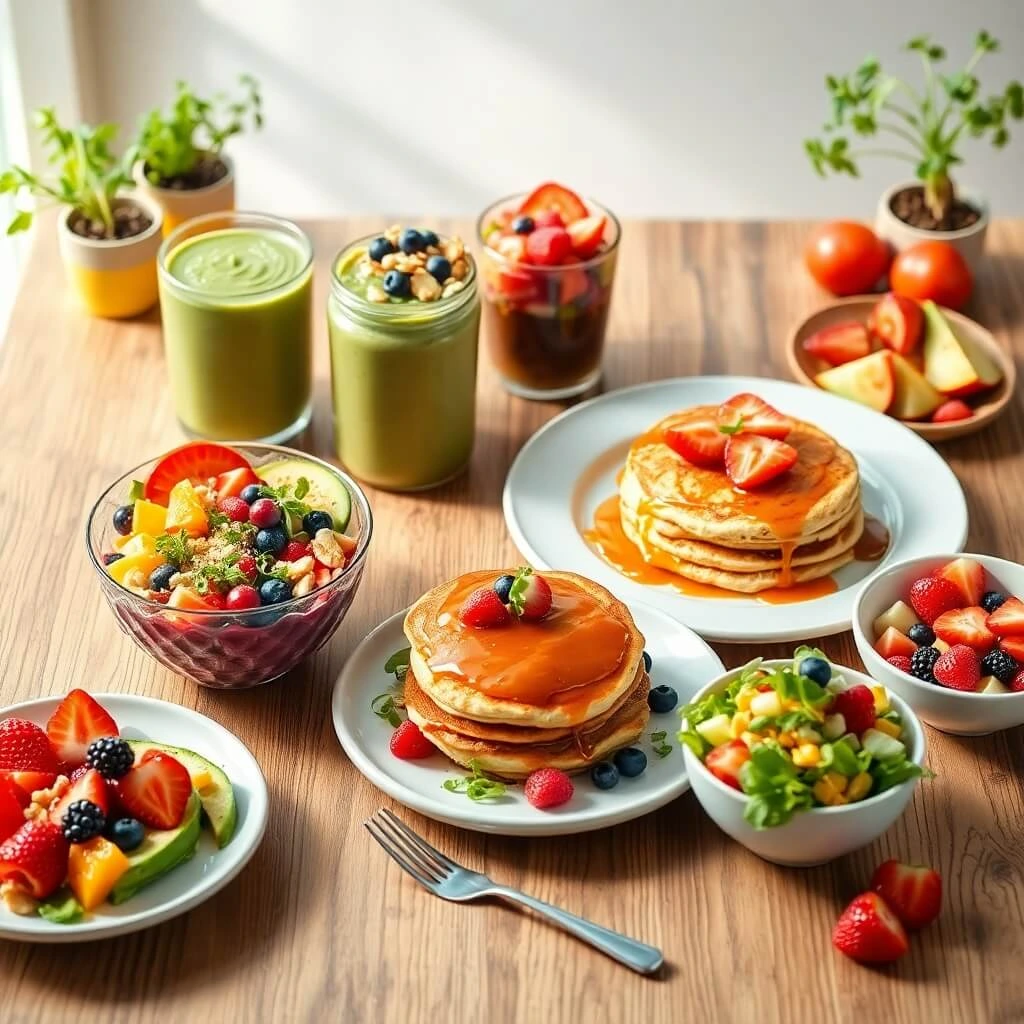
x=403 y=318
x=236 y=300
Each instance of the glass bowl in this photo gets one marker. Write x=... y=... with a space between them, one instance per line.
x=224 y=649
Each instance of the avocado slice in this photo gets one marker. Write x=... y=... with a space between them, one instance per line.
x=325 y=492
x=159 y=853
x=218 y=798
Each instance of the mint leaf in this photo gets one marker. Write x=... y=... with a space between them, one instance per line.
x=517 y=592
x=477 y=786
x=398 y=664
x=301 y=488
x=383 y=706
x=61 y=908
x=731 y=428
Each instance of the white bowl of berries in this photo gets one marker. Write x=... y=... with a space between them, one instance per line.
x=946 y=633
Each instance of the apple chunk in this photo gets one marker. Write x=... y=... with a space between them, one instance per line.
x=868 y=380
x=898 y=616
x=954 y=365
x=915 y=398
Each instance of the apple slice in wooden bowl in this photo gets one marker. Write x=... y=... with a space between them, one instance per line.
x=906 y=359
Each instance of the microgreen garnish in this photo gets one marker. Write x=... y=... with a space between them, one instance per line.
x=291 y=505
x=386 y=705
x=517 y=592
x=731 y=428
x=225 y=574
x=237 y=533
x=138 y=490
x=265 y=564
x=398 y=664
x=477 y=786
x=174 y=547
x=215 y=518
x=660 y=747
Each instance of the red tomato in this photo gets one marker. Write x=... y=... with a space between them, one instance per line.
x=932 y=270
x=845 y=257
x=725 y=762
x=196 y=461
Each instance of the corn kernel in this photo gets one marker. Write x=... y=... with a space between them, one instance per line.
x=739 y=724
x=838 y=800
x=889 y=728
x=881 y=699
x=750 y=738
x=859 y=787
x=824 y=791
x=838 y=780
x=787 y=740
x=743 y=698
x=807 y=755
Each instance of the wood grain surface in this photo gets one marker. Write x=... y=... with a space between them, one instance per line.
x=322 y=926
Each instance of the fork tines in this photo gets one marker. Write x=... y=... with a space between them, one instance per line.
x=409 y=850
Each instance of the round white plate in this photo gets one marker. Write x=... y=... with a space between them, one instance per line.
x=197 y=879
x=680 y=659
x=905 y=483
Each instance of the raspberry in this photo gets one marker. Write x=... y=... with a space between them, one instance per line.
x=409 y=744
x=958 y=668
x=933 y=595
x=548 y=787
x=235 y=509
x=900 y=661
x=857 y=706
x=483 y=610
x=295 y=550
x=247 y=567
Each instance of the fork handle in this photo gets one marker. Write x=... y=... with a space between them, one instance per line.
x=636 y=955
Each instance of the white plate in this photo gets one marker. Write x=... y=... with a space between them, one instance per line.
x=905 y=483
x=681 y=659
x=194 y=881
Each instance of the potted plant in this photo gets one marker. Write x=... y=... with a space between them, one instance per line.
x=926 y=126
x=108 y=241
x=180 y=162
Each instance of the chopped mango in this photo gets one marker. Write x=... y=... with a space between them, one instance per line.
x=94 y=869
x=186 y=599
x=146 y=562
x=202 y=780
x=807 y=755
x=838 y=780
x=881 y=696
x=744 y=697
x=185 y=511
x=740 y=723
x=139 y=544
x=859 y=787
x=149 y=517
x=889 y=728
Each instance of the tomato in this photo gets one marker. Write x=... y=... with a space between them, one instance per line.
x=845 y=257
x=898 y=323
x=932 y=270
x=196 y=461
x=550 y=196
x=725 y=762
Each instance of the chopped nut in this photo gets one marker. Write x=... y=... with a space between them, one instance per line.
x=43 y=799
x=376 y=294
x=328 y=549
x=453 y=249
x=207 y=495
x=460 y=268
x=425 y=288
x=304 y=585
x=407 y=265
x=135 y=579
x=180 y=579
x=451 y=288
x=17 y=900
x=299 y=568
x=390 y=261
x=432 y=250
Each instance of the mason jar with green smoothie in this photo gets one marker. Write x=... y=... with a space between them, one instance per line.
x=403 y=318
x=236 y=299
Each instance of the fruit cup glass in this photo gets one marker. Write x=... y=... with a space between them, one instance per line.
x=545 y=326
x=231 y=650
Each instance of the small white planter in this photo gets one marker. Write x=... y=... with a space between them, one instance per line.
x=182 y=204
x=969 y=242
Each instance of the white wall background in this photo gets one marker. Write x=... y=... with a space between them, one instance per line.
x=680 y=108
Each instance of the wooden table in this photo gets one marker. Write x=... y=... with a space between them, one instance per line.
x=321 y=926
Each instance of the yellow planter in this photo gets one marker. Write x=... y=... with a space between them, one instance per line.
x=180 y=205
x=115 y=278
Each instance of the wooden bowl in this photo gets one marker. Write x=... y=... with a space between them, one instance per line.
x=991 y=404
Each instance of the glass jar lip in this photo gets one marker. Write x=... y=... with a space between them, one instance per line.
x=586 y=264
x=397 y=312
x=241 y=218
x=355 y=491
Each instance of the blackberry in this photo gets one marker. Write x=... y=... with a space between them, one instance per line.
x=999 y=664
x=922 y=662
x=82 y=821
x=922 y=635
x=110 y=756
x=991 y=600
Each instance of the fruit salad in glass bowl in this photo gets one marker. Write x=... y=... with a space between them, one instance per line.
x=230 y=563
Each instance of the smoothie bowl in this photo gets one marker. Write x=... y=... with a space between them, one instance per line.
x=230 y=564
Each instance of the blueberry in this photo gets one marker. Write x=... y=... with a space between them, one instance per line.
x=429 y=237
x=662 y=699
x=502 y=586
x=111 y=557
x=379 y=248
x=648 y=663
x=126 y=834
x=992 y=599
x=251 y=493
x=631 y=762
x=922 y=635
x=160 y=577
x=605 y=775
x=274 y=591
x=439 y=268
x=410 y=241
x=397 y=284
x=316 y=520
x=123 y=516
x=272 y=541
x=523 y=225
x=816 y=669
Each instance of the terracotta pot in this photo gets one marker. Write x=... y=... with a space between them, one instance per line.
x=181 y=204
x=970 y=242
x=117 y=277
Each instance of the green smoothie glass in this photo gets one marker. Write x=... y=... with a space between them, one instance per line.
x=403 y=372
x=236 y=299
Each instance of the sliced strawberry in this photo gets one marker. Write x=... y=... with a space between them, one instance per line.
x=898 y=322
x=951 y=411
x=24 y=747
x=548 y=247
x=530 y=595
x=893 y=643
x=91 y=786
x=234 y=481
x=725 y=762
x=35 y=858
x=1008 y=619
x=587 y=235
x=78 y=720
x=958 y=668
x=483 y=610
x=967 y=576
x=752 y=460
x=156 y=791
x=1014 y=647
x=13 y=801
x=841 y=343
x=30 y=782
x=869 y=932
x=700 y=442
x=196 y=461
x=913 y=892
x=551 y=197
x=965 y=626
x=755 y=415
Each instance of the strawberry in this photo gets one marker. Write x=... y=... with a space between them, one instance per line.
x=586 y=235
x=841 y=343
x=892 y=643
x=24 y=747
x=965 y=626
x=35 y=857
x=548 y=787
x=951 y=411
x=1008 y=618
x=30 y=781
x=958 y=668
x=967 y=576
x=549 y=219
x=90 y=786
x=551 y=198
x=857 y=706
x=483 y=610
x=530 y=595
x=725 y=762
x=752 y=460
x=930 y=596
x=295 y=550
x=899 y=661
x=78 y=720
x=409 y=743
x=13 y=801
x=247 y=567
x=547 y=247
x=1014 y=647
x=755 y=415
x=1017 y=683
x=869 y=932
x=914 y=893
x=700 y=442
x=156 y=790
x=234 y=508
x=234 y=481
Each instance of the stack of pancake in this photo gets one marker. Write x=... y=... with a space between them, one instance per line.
x=564 y=692
x=692 y=521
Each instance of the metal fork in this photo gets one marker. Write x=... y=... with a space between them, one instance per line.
x=443 y=877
